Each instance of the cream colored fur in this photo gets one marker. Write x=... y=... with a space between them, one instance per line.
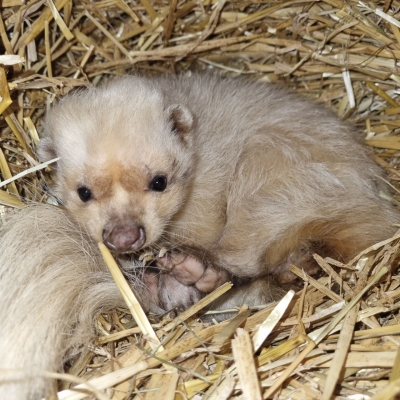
x=262 y=176
x=52 y=283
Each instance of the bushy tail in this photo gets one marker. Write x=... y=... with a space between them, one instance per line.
x=53 y=283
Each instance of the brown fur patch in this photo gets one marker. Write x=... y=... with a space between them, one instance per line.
x=104 y=182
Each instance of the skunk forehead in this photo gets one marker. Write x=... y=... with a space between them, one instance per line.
x=114 y=118
x=115 y=106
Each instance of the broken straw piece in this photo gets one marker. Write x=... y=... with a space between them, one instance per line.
x=130 y=299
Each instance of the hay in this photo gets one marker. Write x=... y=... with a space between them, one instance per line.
x=343 y=54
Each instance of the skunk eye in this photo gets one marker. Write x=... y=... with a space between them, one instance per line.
x=158 y=183
x=84 y=193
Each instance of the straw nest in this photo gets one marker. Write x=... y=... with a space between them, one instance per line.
x=318 y=343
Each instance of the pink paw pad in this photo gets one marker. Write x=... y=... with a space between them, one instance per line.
x=190 y=271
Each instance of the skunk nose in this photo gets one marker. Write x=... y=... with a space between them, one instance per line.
x=124 y=238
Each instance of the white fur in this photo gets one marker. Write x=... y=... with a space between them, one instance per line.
x=52 y=285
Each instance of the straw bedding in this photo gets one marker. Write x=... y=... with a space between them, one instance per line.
x=339 y=336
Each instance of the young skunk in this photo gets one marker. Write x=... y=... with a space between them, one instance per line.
x=236 y=177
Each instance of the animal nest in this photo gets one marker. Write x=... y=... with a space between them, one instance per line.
x=336 y=338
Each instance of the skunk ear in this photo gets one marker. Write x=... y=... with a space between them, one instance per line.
x=181 y=121
x=46 y=150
